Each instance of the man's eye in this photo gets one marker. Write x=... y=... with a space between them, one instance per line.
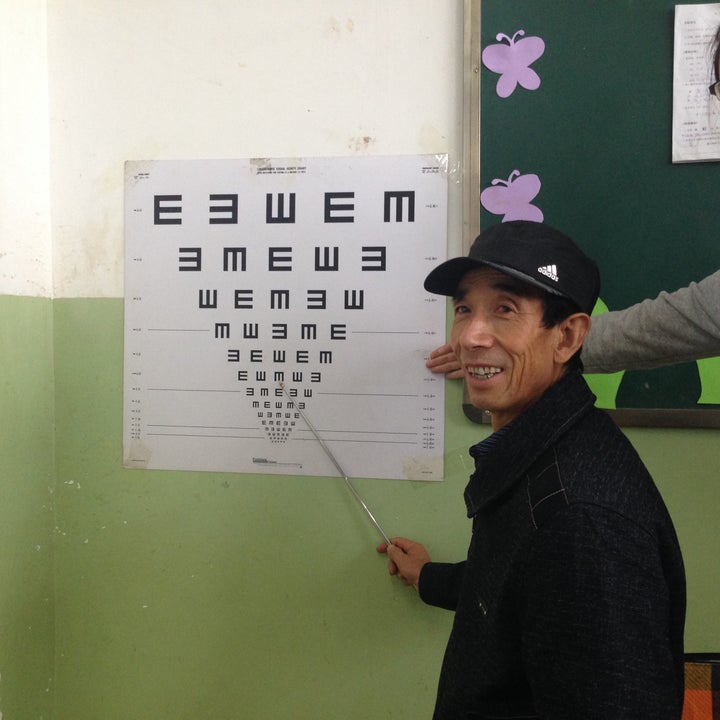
x=460 y=309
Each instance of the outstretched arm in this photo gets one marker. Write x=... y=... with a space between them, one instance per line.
x=673 y=327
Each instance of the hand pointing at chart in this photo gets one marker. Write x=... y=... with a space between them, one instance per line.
x=405 y=559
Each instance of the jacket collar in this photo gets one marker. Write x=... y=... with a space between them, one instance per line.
x=501 y=458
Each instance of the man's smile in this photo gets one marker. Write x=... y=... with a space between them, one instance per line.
x=484 y=372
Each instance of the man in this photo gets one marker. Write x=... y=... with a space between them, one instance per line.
x=571 y=602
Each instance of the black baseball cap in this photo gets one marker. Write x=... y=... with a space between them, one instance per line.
x=530 y=251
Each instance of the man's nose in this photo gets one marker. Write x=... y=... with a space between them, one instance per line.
x=478 y=332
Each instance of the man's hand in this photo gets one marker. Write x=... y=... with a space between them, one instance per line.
x=442 y=360
x=406 y=559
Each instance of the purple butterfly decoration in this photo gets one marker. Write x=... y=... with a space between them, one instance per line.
x=512 y=61
x=511 y=198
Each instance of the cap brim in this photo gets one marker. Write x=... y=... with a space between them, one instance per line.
x=445 y=278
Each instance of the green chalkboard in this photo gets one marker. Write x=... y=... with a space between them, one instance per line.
x=597 y=133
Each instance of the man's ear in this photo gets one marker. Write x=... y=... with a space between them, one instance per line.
x=572 y=333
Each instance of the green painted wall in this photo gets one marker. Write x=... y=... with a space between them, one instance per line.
x=185 y=595
x=219 y=596
x=26 y=509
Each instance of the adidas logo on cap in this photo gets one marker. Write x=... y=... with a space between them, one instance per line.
x=549 y=271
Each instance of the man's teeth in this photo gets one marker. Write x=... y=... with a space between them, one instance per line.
x=484 y=373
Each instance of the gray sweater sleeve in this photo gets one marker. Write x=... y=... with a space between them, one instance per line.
x=672 y=328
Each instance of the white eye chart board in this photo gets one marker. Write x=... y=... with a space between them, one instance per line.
x=244 y=277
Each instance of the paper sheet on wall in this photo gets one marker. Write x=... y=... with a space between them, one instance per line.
x=696 y=113
x=241 y=275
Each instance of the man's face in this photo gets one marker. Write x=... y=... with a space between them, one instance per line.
x=508 y=356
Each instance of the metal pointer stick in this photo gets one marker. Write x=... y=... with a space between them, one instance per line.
x=348 y=482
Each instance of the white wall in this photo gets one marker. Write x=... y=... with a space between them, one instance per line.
x=25 y=248
x=154 y=79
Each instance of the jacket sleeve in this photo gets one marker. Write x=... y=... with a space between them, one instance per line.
x=440 y=584
x=671 y=328
x=601 y=627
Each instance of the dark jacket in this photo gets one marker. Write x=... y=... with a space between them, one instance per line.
x=571 y=603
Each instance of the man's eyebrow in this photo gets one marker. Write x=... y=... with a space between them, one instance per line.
x=459 y=294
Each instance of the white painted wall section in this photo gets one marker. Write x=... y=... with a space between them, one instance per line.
x=158 y=79
x=25 y=241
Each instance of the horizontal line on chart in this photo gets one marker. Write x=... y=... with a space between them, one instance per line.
x=408 y=395
x=384 y=332
x=326 y=432
x=367 y=442
x=177 y=330
x=363 y=432
x=250 y=437
x=199 y=390
x=195 y=435
x=211 y=390
x=202 y=427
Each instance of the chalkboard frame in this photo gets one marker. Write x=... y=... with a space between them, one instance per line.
x=473 y=176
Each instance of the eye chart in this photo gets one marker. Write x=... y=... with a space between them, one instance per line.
x=259 y=288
